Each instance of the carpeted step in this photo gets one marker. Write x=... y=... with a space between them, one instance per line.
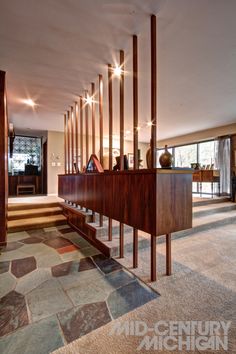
x=26 y=206
x=36 y=223
x=33 y=213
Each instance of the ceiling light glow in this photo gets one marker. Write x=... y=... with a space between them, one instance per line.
x=138 y=128
x=29 y=102
x=89 y=100
x=127 y=132
x=117 y=70
x=149 y=124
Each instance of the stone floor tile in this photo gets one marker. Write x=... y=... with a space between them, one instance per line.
x=17 y=236
x=7 y=283
x=81 y=320
x=90 y=291
x=72 y=256
x=62 y=269
x=76 y=239
x=36 y=232
x=119 y=278
x=31 y=240
x=57 y=242
x=33 y=280
x=50 y=229
x=38 y=249
x=21 y=267
x=107 y=265
x=49 y=259
x=42 y=337
x=46 y=300
x=11 y=246
x=78 y=278
x=4 y=267
x=86 y=264
x=129 y=297
x=67 y=249
x=13 y=312
x=66 y=230
x=9 y=256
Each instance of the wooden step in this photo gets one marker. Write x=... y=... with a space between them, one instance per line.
x=36 y=223
x=32 y=213
x=26 y=206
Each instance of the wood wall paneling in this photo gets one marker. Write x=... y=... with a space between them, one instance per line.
x=3 y=160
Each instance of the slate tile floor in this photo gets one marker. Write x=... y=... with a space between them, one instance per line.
x=55 y=287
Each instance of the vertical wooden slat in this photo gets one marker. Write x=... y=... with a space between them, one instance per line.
x=72 y=139
x=153 y=128
x=81 y=135
x=135 y=248
x=93 y=117
x=110 y=109
x=122 y=77
x=135 y=135
x=168 y=254
x=135 y=101
x=153 y=90
x=100 y=93
x=77 y=136
x=68 y=141
x=86 y=129
x=65 y=143
x=93 y=128
x=153 y=258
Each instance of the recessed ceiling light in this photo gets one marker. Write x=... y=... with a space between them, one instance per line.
x=29 y=102
x=138 y=128
x=89 y=99
x=149 y=124
x=117 y=70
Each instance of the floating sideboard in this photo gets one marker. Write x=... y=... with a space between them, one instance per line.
x=156 y=201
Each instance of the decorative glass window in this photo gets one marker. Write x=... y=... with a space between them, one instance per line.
x=26 y=151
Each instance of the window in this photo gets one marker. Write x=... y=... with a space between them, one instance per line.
x=185 y=155
x=26 y=150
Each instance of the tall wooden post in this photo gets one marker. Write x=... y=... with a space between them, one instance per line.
x=93 y=129
x=93 y=118
x=110 y=109
x=135 y=135
x=77 y=136
x=68 y=141
x=81 y=134
x=153 y=90
x=72 y=139
x=122 y=77
x=100 y=93
x=86 y=129
x=3 y=160
x=154 y=124
x=65 y=143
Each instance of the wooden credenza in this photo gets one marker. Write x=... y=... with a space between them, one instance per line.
x=207 y=176
x=156 y=201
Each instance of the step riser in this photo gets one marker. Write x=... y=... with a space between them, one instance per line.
x=201 y=213
x=210 y=201
x=19 y=228
x=145 y=243
x=16 y=207
x=35 y=215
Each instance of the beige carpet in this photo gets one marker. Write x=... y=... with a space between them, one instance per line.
x=203 y=287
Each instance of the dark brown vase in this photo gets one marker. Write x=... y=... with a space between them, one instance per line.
x=166 y=159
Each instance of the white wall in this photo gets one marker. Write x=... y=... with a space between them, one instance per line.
x=55 y=159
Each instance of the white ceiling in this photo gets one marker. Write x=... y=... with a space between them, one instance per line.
x=52 y=50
